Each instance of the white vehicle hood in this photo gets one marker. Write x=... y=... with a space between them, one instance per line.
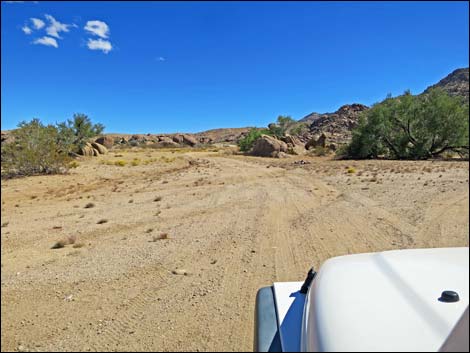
x=386 y=301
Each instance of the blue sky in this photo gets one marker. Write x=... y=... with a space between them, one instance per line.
x=140 y=67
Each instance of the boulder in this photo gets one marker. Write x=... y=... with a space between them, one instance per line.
x=189 y=140
x=86 y=150
x=165 y=139
x=268 y=146
x=177 y=138
x=316 y=141
x=96 y=153
x=101 y=149
x=291 y=140
x=106 y=141
x=169 y=143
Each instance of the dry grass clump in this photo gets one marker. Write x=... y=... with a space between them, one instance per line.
x=165 y=159
x=73 y=164
x=135 y=162
x=120 y=163
x=351 y=170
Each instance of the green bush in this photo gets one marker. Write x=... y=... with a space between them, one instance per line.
x=247 y=142
x=35 y=150
x=283 y=123
x=412 y=127
x=76 y=132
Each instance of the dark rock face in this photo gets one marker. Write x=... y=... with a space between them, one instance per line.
x=337 y=125
x=456 y=83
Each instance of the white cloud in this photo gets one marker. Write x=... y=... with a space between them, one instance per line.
x=48 y=41
x=161 y=58
x=97 y=28
x=99 y=44
x=38 y=24
x=26 y=30
x=55 y=27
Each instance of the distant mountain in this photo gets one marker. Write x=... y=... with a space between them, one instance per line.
x=456 y=83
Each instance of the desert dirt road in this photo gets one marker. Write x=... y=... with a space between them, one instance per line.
x=234 y=224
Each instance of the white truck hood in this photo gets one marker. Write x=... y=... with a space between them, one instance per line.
x=385 y=301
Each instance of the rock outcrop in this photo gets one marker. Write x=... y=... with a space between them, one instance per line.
x=268 y=146
x=338 y=125
x=456 y=83
x=99 y=147
x=106 y=141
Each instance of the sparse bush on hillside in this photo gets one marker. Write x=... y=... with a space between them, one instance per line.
x=36 y=150
x=412 y=127
x=247 y=142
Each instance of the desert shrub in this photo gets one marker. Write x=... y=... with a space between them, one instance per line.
x=77 y=131
x=120 y=163
x=412 y=127
x=135 y=162
x=73 y=164
x=36 y=150
x=248 y=141
x=351 y=170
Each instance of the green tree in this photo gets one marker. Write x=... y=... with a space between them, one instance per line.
x=77 y=131
x=34 y=151
x=412 y=127
x=283 y=122
x=247 y=142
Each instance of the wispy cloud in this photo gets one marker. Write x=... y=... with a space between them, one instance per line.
x=37 y=23
x=56 y=27
x=48 y=41
x=161 y=58
x=98 y=28
x=99 y=44
x=26 y=30
x=20 y=2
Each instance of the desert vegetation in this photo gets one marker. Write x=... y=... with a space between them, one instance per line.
x=46 y=149
x=412 y=127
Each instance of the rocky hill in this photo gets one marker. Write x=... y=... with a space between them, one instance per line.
x=337 y=126
x=456 y=83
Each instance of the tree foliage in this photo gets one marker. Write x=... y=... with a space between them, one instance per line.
x=77 y=131
x=41 y=149
x=412 y=127
x=283 y=122
x=35 y=150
